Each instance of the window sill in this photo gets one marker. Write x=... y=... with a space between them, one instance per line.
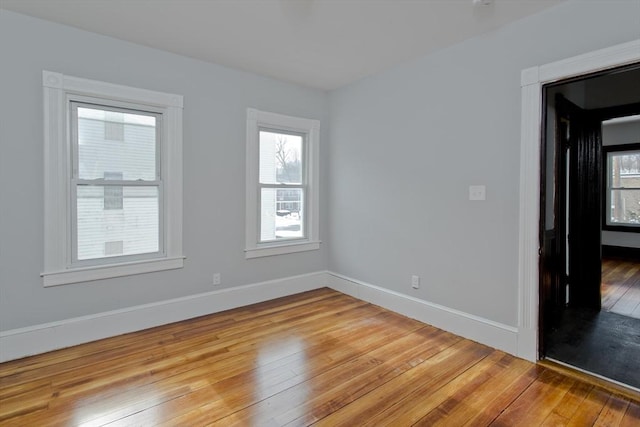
x=86 y=274
x=281 y=249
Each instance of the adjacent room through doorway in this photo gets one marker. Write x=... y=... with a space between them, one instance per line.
x=590 y=207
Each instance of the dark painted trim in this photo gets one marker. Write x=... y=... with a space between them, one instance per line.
x=617 y=111
x=621 y=252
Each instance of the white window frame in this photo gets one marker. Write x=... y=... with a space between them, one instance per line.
x=59 y=91
x=261 y=120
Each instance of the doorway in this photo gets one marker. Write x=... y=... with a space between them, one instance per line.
x=588 y=126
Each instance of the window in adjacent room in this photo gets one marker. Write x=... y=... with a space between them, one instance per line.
x=282 y=195
x=622 y=181
x=113 y=180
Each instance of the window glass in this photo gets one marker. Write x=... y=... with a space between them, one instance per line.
x=116 y=141
x=115 y=145
x=282 y=183
x=281 y=214
x=136 y=224
x=280 y=157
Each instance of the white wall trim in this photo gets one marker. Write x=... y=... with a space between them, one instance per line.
x=488 y=332
x=55 y=278
x=22 y=342
x=287 y=248
x=532 y=80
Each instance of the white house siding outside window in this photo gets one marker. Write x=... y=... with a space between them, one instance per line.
x=115 y=152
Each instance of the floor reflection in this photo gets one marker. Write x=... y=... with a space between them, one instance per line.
x=281 y=364
x=93 y=415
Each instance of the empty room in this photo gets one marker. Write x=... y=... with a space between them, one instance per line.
x=319 y=212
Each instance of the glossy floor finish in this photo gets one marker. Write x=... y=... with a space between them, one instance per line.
x=318 y=358
x=621 y=287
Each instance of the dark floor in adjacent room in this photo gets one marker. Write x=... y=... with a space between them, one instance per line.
x=600 y=342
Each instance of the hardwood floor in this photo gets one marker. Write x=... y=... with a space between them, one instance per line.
x=318 y=358
x=621 y=287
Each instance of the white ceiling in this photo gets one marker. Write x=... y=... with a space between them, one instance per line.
x=323 y=44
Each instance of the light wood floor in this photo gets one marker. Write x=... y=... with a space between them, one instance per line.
x=621 y=287
x=318 y=358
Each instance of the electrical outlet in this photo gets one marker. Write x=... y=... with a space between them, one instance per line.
x=477 y=192
x=415 y=282
x=216 y=279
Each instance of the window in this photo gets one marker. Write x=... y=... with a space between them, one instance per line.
x=113 y=180
x=282 y=186
x=622 y=181
x=133 y=194
x=282 y=179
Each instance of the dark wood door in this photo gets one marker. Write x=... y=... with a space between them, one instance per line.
x=553 y=248
x=570 y=250
x=585 y=208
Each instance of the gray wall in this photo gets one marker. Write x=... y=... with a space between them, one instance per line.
x=215 y=101
x=406 y=144
x=398 y=157
x=624 y=132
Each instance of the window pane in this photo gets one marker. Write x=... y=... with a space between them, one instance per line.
x=281 y=214
x=624 y=169
x=280 y=158
x=625 y=207
x=136 y=224
x=116 y=141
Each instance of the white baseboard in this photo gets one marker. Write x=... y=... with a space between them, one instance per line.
x=28 y=341
x=18 y=343
x=493 y=334
x=528 y=344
